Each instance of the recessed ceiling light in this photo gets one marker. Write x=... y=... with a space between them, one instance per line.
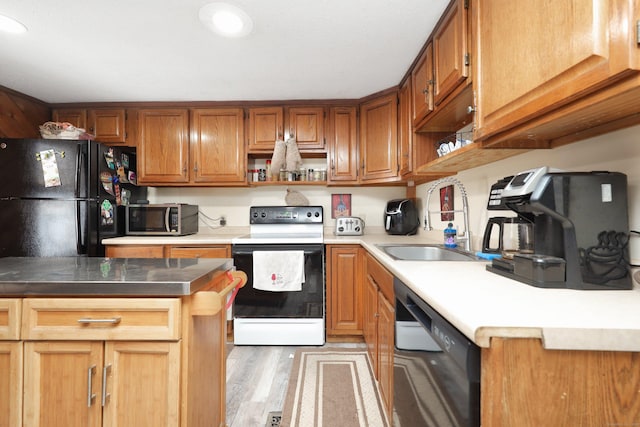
x=226 y=20
x=10 y=25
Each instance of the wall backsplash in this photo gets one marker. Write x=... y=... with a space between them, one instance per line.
x=617 y=151
x=233 y=203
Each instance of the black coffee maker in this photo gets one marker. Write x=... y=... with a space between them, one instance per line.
x=581 y=230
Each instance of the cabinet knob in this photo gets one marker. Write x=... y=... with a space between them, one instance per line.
x=471 y=109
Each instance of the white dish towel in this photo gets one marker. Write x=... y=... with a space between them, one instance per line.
x=278 y=271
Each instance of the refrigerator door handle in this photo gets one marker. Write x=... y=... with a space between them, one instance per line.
x=80 y=241
x=79 y=164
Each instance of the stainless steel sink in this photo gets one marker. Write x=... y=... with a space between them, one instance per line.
x=427 y=253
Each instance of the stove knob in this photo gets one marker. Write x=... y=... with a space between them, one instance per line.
x=263 y=214
x=308 y=214
x=317 y=214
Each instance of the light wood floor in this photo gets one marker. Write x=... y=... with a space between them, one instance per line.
x=257 y=378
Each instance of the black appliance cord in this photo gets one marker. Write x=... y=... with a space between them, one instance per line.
x=638 y=233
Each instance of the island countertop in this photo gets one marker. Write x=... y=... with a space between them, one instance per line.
x=95 y=276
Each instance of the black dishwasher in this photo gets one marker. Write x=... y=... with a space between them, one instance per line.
x=436 y=368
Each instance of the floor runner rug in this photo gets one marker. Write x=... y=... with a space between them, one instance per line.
x=332 y=387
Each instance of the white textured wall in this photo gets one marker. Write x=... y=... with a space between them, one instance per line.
x=617 y=152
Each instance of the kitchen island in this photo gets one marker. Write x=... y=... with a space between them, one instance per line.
x=109 y=341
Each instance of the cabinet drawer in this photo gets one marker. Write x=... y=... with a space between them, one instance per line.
x=10 y=319
x=199 y=252
x=382 y=277
x=101 y=319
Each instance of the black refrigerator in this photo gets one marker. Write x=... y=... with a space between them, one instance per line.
x=62 y=197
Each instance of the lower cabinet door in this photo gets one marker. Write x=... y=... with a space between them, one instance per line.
x=10 y=383
x=370 y=322
x=386 y=343
x=142 y=384
x=96 y=383
x=62 y=384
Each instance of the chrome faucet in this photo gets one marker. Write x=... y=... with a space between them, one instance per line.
x=466 y=236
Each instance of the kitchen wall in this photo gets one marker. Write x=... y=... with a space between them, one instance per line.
x=233 y=203
x=617 y=151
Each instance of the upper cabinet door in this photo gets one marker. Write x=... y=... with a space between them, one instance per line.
x=343 y=145
x=108 y=125
x=75 y=116
x=266 y=126
x=217 y=145
x=450 y=51
x=405 y=129
x=306 y=126
x=163 y=146
x=535 y=56
x=379 y=139
x=422 y=85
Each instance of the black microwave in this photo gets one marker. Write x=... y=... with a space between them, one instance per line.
x=170 y=219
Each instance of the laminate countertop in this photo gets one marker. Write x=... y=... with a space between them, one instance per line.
x=483 y=305
x=92 y=276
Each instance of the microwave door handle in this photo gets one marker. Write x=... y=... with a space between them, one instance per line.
x=167 y=215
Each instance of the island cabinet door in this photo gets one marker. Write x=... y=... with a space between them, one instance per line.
x=10 y=383
x=141 y=384
x=62 y=384
x=94 y=384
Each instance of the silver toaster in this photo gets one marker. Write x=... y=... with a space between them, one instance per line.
x=349 y=226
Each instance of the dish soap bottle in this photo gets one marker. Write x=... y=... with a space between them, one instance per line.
x=450 y=236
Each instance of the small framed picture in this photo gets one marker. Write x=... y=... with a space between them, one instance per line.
x=446 y=203
x=340 y=205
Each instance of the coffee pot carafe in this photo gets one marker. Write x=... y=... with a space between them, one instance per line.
x=508 y=236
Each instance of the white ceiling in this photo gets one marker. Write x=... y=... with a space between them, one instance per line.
x=158 y=50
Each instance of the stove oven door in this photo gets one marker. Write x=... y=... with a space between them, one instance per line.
x=305 y=304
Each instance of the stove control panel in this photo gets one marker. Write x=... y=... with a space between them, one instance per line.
x=285 y=215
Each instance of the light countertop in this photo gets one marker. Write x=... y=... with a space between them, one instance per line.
x=483 y=305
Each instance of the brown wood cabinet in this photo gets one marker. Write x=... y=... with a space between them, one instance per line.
x=342 y=146
x=573 y=72
x=217 y=153
x=450 y=51
x=422 y=85
x=527 y=386
x=134 y=251
x=306 y=126
x=405 y=129
x=379 y=139
x=206 y=150
x=107 y=124
x=168 y=251
x=163 y=146
x=266 y=126
x=208 y=251
x=75 y=116
x=344 y=290
x=379 y=325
